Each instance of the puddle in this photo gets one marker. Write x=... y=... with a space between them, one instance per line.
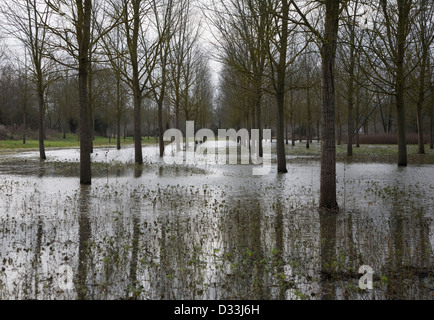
x=210 y=232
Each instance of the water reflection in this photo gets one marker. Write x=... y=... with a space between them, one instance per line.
x=138 y=171
x=84 y=232
x=169 y=233
x=36 y=262
x=136 y=213
x=328 y=220
x=243 y=247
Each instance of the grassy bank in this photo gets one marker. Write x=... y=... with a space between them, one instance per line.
x=365 y=153
x=71 y=141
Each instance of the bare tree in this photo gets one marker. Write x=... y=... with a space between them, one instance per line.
x=243 y=25
x=431 y=108
x=349 y=59
x=279 y=64
x=328 y=42
x=166 y=21
x=132 y=55
x=389 y=41
x=423 y=35
x=73 y=35
x=28 y=22
x=182 y=61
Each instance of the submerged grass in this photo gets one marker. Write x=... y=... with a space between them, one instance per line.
x=176 y=232
x=200 y=242
x=365 y=153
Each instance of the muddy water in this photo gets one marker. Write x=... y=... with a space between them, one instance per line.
x=210 y=232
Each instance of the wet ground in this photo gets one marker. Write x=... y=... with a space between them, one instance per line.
x=210 y=231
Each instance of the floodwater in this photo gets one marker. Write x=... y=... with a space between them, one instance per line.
x=211 y=231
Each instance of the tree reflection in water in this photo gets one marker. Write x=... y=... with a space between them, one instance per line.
x=249 y=239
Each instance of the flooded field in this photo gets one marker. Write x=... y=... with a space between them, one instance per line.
x=211 y=232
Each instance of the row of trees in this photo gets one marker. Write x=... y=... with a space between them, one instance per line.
x=117 y=53
x=351 y=58
x=317 y=62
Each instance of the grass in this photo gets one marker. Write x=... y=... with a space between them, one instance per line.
x=71 y=141
x=365 y=153
x=194 y=241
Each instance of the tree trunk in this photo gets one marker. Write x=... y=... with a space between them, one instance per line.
x=85 y=132
x=178 y=143
x=421 y=95
x=400 y=81
x=118 y=134
x=420 y=140
x=160 y=126
x=258 y=144
x=24 y=126
x=309 y=116
x=350 y=100
x=350 y=113
x=280 y=94
x=83 y=37
x=357 y=139
x=286 y=133
x=328 y=147
x=90 y=100
x=431 y=140
x=41 y=122
x=138 y=155
x=280 y=143
x=431 y=119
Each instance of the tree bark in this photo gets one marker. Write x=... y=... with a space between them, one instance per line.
x=280 y=94
x=431 y=119
x=350 y=100
x=132 y=40
x=83 y=37
x=118 y=112
x=328 y=147
x=160 y=126
x=420 y=139
x=41 y=120
x=309 y=119
x=138 y=155
x=350 y=106
x=431 y=140
x=24 y=126
x=258 y=106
